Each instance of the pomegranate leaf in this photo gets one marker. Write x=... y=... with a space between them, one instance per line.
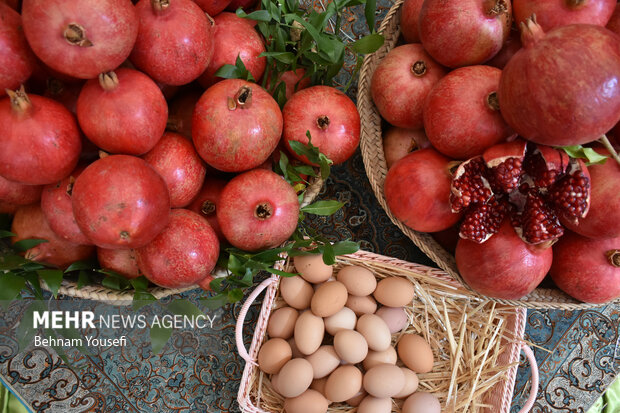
x=82 y=265
x=84 y=279
x=323 y=208
x=236 y=71
x=369 y=12
x=10 y=286
x=6 y=234
x=53 y=279
x=590 y=155
x=184 y=307
x=368 y=44
x=345 y=247
x=25 y=244
x=281 y=273
x=258 y=15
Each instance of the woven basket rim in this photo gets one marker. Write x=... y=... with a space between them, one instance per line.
x=371 y=144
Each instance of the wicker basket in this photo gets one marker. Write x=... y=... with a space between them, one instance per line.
x=438 y=295
x=374 y=161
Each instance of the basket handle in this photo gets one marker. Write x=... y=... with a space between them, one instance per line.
x=534 y=385
x=243 y=352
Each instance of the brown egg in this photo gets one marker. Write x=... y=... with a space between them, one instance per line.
x=310 y=401
x=395 y=317
x=357 y=399
x=319 y=385
x=415 y=353
x=282 y=323
x=350 y=346
x=344 y=319
x=329 y=298
x=375 y=331
x=294 y=378
x=358 y=280
x=297 y=292
x=420 y=402
x=344 y=383
x=294 y=349
x=309 y=331
x=324 y=361
x=411 y=384
x=384 y=380
x=394 y=292
x=273 y=355
x=274 y=382
x=362 y=305
x=375 y=358
x=374 y=405
x=312 y=268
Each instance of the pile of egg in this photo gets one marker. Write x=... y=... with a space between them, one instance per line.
x=331 y=344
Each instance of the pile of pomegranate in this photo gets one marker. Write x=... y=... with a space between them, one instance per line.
x=498 y=114
x=120 y=140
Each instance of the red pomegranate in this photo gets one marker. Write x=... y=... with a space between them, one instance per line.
x=399 y=142
x=122 y=112
x=17 y=61
x=183 y=254
x=205 y=284
x=539 y=97
x=40 y=142
x=512 y=46
x=587 y=269
x=294 y=81
x=80 y=38
x=205 y=204
x=176 y=160
x=19 y=194
x=253 y=125
x=466 y=32
x=401 y=82
x=175 y=41
x=503 y=267
x=120 y=202
x=212 y=7
x=234 y=36
x=29 y=223
x=181 y=110
x=409 y=18
x=122 y=261
x=244 y=4
x=461 y=112
x=58 y=210
x=614 y=21
x=258 y=210
x=417 y=191
x=329 y=115
x=555 y=13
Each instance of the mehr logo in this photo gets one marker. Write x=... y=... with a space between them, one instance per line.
x=63 y=319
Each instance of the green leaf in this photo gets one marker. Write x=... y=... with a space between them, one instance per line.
x=228 y=72
x=323 y=208
x=185 y=308
x=141 y=299
x=369 y=13
x=281 y=273
x=10 y=286
x=11 y=262
x=25 y=244
x=329 y=256
x=82 y=265
x=140 y=283
x=215 y=301
x=235 y=265
x=258 y=15
x=159 y=338
x=270 y=256
x=6 y=234
x=53 y=279
x=284 y=57
x=368 y=44
x=115 y=282
x=83 y=279
x=33 y=278
x=591 y=156
x=345 y=247
x=235 y=295
x=216 y=285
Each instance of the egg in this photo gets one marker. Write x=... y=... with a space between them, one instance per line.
x=375 y=358
x=319 y=385
x=362 y=305
x=411 y=384
x=274 y=382
x=357 y=399
x=344 y=383
x=420 y=402
x=310 y=401
x=394 y=292
x=297 y=292
x=312 y=268
x=294 y=377
x=415 y=353
x=375 y=331
x=344 y=319
x=324 y=361
x=384 y=380
x=309 y=331
x=358 y=280
x=350 y=346
x=294 y=349
x=328 y=299
x=282 y=323
x=273 y=355
x=374 y=405
x=395 y=317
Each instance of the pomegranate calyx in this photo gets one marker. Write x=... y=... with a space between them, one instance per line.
x=575 y=4
x=108 y=81
x=243 y=98
x=493 y=101
x=263 y=211
x=207 y=208
x=75 y=34
x=160 y=5
x=419 y=68
x=322 y=122
x=124 y=235
x=531 y=32
x=69 y=190
x=613 y=256
x=497 y=7
x=20 y=102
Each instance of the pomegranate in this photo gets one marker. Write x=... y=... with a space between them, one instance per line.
x=467 y=32
x=539 y=96
x=555 y=13
x=181 y=111
x=205 y=284
x=329 y=115
x=258 y=210
x=29 y=223
x=401 y=82
x=244 y=4
x=504 y=267
x=398 y=142
x=175 y=41
x=17 y=61
x=8 y=208
x=58 y=210
x=461 y=112
x=294 y=81
x=212 y=7
x=19 y=194
x=14 y=4
x=234 y=36
x=183 y=254
x=205 y=204
x=122 y=112
x=586 y=269
x=614 y=21
x=417 y=190
x=512 y=46
x=120 y=202
x=409 y=18
x=40 y=142
x=80 y=38
x=176 y=160
x=253 y=125
x=121 y=261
